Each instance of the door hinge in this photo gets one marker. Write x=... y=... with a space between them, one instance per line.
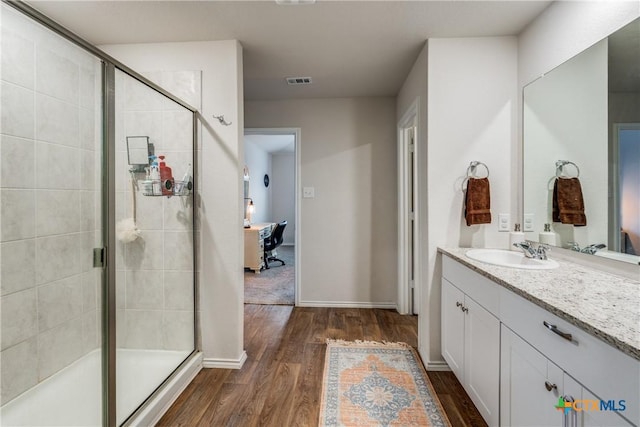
x=412 y=147
x=98 y=257
x=412 y=284
x=412 y=216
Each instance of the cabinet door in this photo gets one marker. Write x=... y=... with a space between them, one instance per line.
x=591 y=418
x=482 y=360
x=526 y=377
x=452 y=339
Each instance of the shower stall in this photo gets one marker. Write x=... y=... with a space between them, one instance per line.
x=97 y=230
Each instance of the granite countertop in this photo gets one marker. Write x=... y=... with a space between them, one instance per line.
x=602 y=304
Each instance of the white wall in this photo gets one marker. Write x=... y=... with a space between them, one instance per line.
x=565 y=118
x=283 y=193
x=220 y=183
x=259 y=163
x=348 y=231
x=472 y=116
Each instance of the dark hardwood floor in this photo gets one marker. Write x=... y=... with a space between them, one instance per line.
x=280 y=383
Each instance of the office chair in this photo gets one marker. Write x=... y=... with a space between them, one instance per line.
x=272 y=242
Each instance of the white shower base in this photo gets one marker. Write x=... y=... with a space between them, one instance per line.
x=73 y=396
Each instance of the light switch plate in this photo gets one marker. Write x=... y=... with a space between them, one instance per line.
x=308 y=192
x=528 y=222
x=504 y=224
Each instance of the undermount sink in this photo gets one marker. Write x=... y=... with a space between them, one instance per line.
x=510 y=259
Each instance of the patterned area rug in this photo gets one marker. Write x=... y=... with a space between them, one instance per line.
x=377 y=384
x=275 y=285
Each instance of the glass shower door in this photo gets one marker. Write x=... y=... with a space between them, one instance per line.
x=154 y=248
x=50 y=221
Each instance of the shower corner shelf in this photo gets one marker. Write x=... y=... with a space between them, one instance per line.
x=177 y=188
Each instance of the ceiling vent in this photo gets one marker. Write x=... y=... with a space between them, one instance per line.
x=299 y=80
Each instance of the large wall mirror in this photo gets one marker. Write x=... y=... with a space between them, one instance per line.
x=582 y=120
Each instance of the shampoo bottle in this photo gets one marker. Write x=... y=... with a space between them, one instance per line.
x=166 y=178
x=516 y=236
x=155 y=179
x=147 y=184
x=548 y=237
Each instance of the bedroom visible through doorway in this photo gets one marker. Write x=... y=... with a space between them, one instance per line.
x=270 y=217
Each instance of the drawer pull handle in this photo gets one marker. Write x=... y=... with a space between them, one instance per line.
x=555 y=330
x=458 y=304
x=465 y=310
x=550 y=386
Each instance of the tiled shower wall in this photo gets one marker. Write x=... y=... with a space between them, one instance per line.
x=50 y=205
x=155 y=273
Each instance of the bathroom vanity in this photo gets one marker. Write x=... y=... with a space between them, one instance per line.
x=519 y=340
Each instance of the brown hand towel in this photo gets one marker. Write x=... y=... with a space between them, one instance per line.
x=477 y=203
x=568 y=205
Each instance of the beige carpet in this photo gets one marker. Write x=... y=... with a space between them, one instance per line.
x=275 y=285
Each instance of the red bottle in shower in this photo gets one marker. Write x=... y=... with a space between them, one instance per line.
x=166 y=178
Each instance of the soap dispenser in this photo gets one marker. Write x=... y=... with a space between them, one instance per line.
x=548 y=237
x=516 y=236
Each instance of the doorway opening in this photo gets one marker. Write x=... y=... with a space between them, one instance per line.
x=625 y=236
x=271 y=243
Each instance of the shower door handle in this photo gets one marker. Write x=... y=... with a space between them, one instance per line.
x=98 y=257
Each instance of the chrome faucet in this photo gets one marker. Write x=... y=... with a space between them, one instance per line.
x=592 y=249
x=542 y=251
x=530 y=252
x=573 y=246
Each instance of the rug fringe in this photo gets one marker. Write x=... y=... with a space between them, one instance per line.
x=345 y=343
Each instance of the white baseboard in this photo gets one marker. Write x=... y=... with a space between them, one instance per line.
x=155 y=408
x=438 y=366
x=347 y=304
x=212 y=362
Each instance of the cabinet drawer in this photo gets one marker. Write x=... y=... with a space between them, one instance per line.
x=482 y=290
x=606 y=371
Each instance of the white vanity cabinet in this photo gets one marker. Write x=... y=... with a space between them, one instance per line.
x=515 y=358
x=471 y=340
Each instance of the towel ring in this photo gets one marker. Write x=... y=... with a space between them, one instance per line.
x=560 y=164
x=471 y=170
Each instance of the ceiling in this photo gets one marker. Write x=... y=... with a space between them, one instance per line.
x=349 y=48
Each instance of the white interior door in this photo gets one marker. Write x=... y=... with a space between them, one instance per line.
x=408 y=301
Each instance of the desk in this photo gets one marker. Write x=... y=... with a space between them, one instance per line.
x=254 y=245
